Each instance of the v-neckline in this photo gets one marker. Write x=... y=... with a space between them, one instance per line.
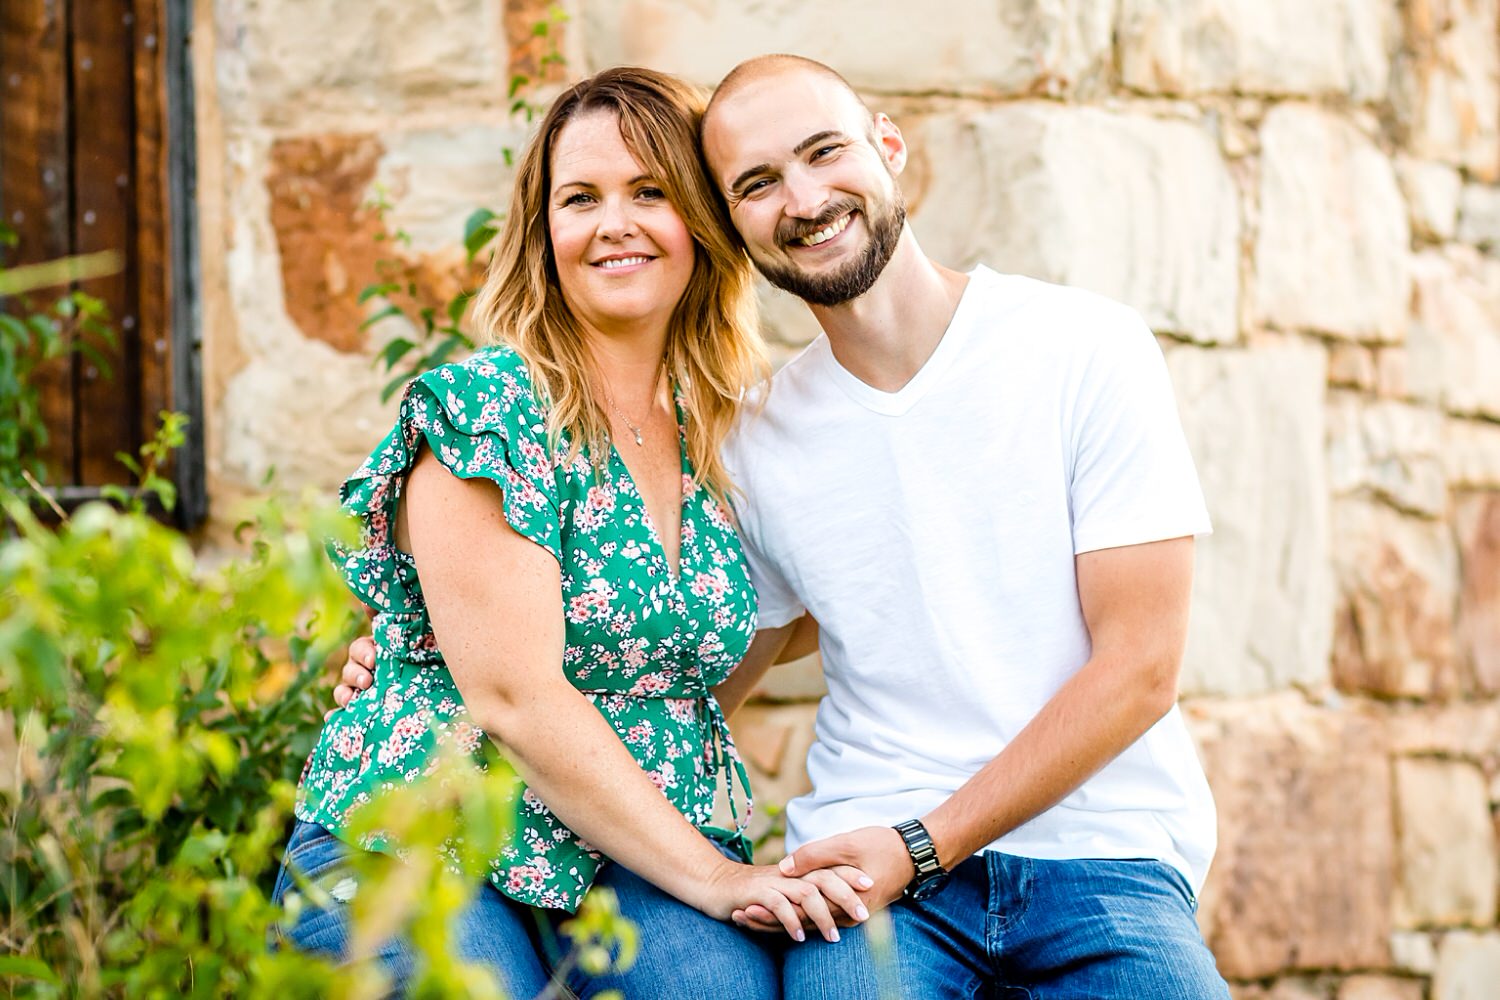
x=653 y=532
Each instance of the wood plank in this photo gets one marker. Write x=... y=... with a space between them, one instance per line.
x=101 y=64
x=152 y=255
x=35 y=175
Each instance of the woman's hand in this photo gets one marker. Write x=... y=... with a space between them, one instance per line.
x=823 y=902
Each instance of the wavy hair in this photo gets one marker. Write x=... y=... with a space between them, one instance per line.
x=714 y=352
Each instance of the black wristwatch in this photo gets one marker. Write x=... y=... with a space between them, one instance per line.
x=931 y=875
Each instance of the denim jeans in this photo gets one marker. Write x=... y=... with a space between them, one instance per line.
x=683 y=954
x=1012 y=928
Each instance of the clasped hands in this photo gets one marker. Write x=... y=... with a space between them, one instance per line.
x=858 y=872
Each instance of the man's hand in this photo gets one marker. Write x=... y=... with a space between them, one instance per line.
x=877 y=851
x=356 y=675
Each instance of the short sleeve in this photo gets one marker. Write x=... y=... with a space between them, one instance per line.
x=777 y=603
x=480 y=419
x=1133 y=479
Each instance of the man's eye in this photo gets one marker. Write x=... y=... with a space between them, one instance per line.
x=755 y=187
x=822 y=150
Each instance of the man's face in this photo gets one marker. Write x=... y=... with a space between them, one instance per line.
x=810 y=183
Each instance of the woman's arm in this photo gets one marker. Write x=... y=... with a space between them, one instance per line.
x=495 y=599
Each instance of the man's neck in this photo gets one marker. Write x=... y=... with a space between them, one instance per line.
x=884 y=337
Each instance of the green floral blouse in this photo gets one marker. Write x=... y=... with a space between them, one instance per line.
x=645 y=647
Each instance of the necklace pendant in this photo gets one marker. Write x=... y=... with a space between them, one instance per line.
x=638 y=440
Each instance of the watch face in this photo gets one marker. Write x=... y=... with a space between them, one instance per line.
x=928 y=888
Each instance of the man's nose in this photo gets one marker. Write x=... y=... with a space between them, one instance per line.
x=806 y=196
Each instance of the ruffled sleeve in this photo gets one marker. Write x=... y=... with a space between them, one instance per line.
x=481 y=419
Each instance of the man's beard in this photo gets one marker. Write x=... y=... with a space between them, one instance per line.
x=854 y=278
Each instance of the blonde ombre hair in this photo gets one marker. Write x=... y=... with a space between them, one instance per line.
x=714 y=352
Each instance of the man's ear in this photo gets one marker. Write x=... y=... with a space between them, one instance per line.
x=891 y=143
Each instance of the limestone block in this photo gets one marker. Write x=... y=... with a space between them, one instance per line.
x=1468 y=967
x=1446 y=845
x=1306 y=860
x=433 y=178
x=1392 y=450
x=1479 y=216
x=1471 y=454
x=1432 y=196
x=1413 y=952
x=1453 y=344
x=800 y=680
x=1262 y=592
x=1286 y=988
x=310 y=415
x=1477 y=524
x=1351 y=366
x=1445 y=84
x=1331 y=253
x=1465 y=729
x=1277 y=47
x=882 y=45
x=1397 y=579
x=1140 y=209
x=1368 y=987
x=302 y=58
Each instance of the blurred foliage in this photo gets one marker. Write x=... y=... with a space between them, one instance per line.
x=155 y=711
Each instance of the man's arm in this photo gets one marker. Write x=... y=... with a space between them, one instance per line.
x=1135 y=604
x=770 y=647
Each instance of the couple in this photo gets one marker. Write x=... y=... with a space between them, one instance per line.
x=972 y=494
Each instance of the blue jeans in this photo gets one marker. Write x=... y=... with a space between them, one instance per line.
x=1012 y=928
x=683 y=954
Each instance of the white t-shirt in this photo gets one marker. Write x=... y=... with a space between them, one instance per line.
x=932 y=533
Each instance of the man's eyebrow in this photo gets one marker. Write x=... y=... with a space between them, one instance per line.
x=816 y=138
x=797 y=150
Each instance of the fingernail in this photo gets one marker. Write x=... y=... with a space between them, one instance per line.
x=797 y=935
x=833 y=935
x=866 y=882
x=860 y=913
x=787 y=866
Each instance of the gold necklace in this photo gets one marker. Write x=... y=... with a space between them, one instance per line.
x=635 y=429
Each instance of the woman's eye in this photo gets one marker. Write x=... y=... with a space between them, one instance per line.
x=652 y=193
x=578 y=198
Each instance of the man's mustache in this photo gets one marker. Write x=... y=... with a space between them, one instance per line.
x=799 y=229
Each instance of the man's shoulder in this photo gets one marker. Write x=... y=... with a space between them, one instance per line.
x=1065 y=308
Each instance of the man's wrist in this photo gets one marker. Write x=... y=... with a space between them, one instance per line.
x=922 y=852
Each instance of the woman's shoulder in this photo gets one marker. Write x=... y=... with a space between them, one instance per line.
x=490 y=387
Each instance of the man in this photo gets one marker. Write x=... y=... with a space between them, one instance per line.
x=975 y=493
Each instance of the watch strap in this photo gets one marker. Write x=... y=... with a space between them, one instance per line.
x=922 y=850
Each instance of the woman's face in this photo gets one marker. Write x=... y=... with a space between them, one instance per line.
x=622 y=252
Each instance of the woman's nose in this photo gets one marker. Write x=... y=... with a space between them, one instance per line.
x=616 y=220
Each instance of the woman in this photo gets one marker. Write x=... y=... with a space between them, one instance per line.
x=549 y=556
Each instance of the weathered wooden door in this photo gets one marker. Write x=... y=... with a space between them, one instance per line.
x=95 y=154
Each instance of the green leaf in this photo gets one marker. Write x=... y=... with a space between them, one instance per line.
x=385 y=313
x=378 y=288
x=479 y=228
x=394 y=352
x=458 y=306
x=27 y=968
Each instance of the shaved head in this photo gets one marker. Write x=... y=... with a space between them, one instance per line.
x=761 y=68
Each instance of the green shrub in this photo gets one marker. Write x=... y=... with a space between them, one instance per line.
x=161 y=709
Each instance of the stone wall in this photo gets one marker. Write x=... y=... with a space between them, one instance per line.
x=1304 y=201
